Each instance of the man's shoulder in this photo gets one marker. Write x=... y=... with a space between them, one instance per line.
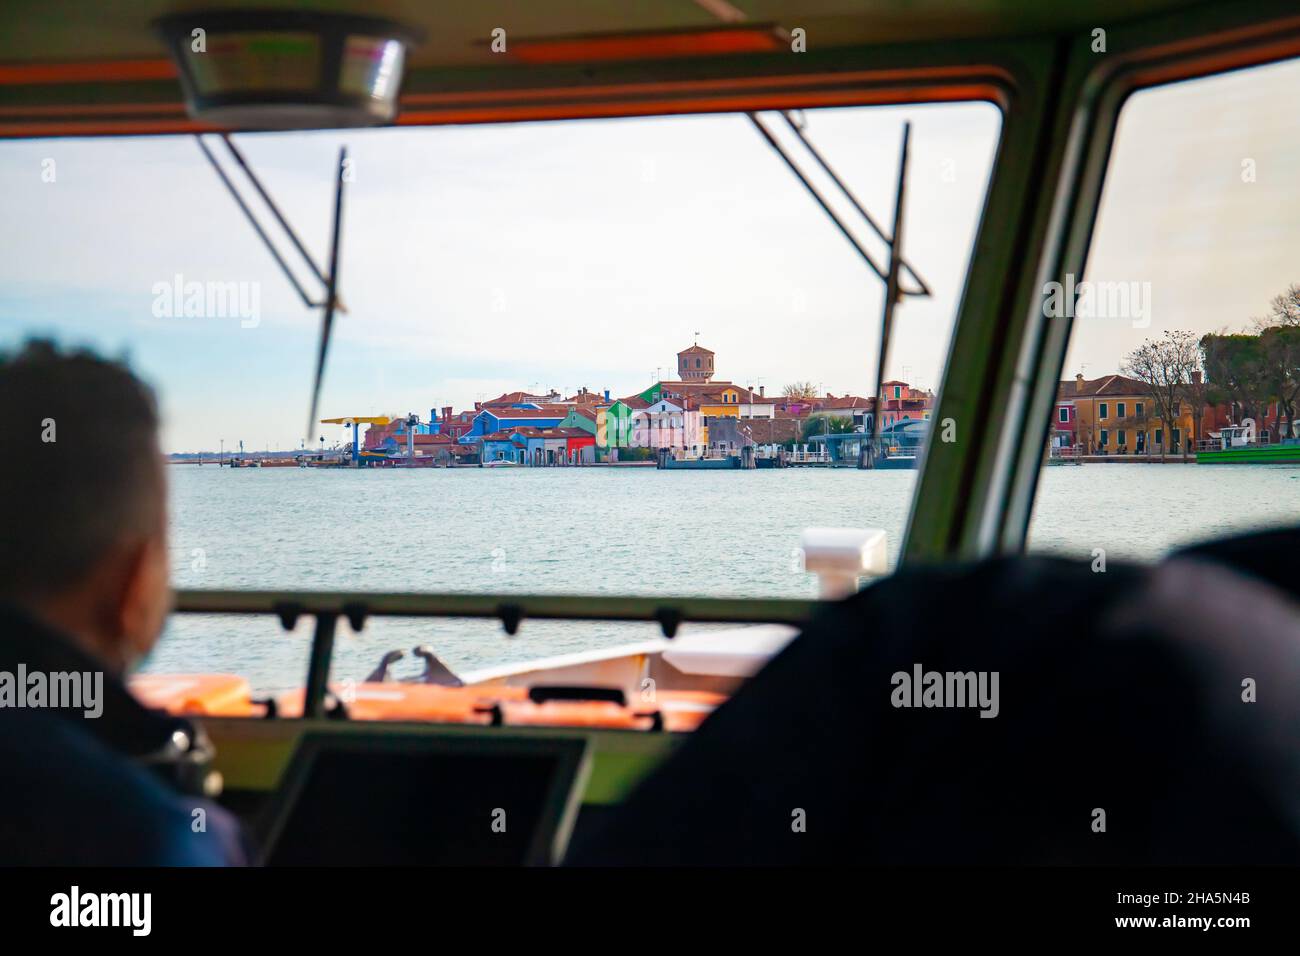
x=79 y=802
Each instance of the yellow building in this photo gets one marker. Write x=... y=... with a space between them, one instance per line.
x=1115 y=415
x=725 y=402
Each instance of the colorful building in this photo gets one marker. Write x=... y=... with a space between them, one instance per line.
x=447 y=422
x=618 y=421
x=502 y=446
x=669 y=424
x=503 y=418
x=1114 y=415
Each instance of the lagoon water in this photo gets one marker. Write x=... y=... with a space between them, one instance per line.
x=612 y=530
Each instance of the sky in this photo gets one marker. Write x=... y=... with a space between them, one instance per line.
x=1200 y=201
x=482 y=259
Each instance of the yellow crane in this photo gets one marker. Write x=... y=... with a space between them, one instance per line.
x=356 y=421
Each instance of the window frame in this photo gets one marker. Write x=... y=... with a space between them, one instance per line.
x=1006 y=352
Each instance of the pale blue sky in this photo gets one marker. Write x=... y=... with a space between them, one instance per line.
x=479 y=259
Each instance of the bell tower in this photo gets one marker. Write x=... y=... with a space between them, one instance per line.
x=695 y=364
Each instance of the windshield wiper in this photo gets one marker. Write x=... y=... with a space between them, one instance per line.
x=328 y=279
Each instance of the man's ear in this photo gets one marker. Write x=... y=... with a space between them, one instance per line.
x=144 y=598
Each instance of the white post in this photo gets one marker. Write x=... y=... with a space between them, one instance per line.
x=840 y=556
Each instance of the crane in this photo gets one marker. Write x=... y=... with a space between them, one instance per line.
x=356 y=421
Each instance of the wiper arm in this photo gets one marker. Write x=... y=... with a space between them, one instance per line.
x=881 y=272
x=848 y=194
x=257 y=226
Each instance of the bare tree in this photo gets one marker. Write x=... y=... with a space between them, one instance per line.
x=1165 y=366
x=799 y=392
x=1285 y=308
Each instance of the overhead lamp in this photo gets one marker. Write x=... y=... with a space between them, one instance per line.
x=288 y=69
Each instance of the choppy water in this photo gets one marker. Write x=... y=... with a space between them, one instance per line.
x=629 y=531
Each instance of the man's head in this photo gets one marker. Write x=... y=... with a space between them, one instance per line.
x=83 y=511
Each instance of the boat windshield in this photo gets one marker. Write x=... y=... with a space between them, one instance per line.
x=618 y=356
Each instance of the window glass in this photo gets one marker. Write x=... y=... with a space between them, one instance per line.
x=499 y=280
x=1188 y=320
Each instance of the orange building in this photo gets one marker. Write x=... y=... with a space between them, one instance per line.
x=1114 y=415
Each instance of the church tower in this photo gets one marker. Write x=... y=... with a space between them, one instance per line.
x=695 y=364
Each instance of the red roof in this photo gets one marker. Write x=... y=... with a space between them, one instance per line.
x=513 y=398
x=848 y=401
x=1120 y=385
x=713 y=390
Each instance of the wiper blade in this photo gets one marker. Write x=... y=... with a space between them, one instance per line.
x=331 y=300
x=893 y=293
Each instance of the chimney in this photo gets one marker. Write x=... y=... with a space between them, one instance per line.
x=446 y=413
x=762 y=391
x=606 y=394
x=478 y=406
x=1078 y=383
x=433 y=415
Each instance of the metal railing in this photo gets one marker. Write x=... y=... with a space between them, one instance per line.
x=326 y=607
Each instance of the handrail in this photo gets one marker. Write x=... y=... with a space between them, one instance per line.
x=542 y=606
x=356 y=606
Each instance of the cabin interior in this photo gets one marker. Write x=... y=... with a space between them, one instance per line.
x=78 y=68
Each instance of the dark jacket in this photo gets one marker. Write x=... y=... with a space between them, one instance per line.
x=1122 y=692
x=120 y=789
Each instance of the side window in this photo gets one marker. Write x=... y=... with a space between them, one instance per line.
x=1188 y=319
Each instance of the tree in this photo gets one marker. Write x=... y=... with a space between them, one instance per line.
x=799 y=392
x=1165 y=366
x=1285 y=308
x=1279 y=356
x=826 y=425
x=1236 y=371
